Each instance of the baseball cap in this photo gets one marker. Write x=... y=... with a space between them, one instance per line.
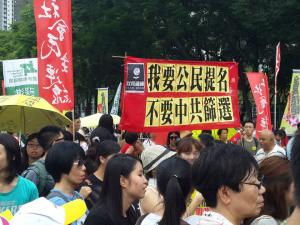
x=43 y=212
x=153 y=155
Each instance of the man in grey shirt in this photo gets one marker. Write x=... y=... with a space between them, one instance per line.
x=250 y=143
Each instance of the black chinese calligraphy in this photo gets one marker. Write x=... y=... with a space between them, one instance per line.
x=225 y=109
x=187 y=78
x=188 y=110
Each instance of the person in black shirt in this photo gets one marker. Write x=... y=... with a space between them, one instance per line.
x=124 y=183
x=101 y=152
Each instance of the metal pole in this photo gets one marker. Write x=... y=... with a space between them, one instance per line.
x=275 y=103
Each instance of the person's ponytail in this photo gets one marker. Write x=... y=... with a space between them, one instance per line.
x=174 y=203
x=174 y=184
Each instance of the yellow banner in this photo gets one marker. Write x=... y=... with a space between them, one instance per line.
x=102 y=100
x=187 y=78
x=291 y=116
x=188 y=110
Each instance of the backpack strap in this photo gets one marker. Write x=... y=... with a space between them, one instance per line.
x=56 y=193
x=140 y=219
x=39 y=168
x=256 y=143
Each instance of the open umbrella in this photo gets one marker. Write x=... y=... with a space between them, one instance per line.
x=93 y=120
x=28 y=114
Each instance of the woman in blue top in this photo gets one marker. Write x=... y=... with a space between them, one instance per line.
x=14 y=190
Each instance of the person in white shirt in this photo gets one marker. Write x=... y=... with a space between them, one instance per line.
x=227 y=177
x=268 y=147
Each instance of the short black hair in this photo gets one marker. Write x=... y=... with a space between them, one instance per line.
x=206 y=132
x=68 y=136
x=47 y=136
x=131 y=137
x=206 y=139
x=104 y=149
x=220 y=131
x=60 y=158
x=249 y=121
x=295 y=165
x=222 y=165
x=70 y=117
x=13 y=156
x=24 y=154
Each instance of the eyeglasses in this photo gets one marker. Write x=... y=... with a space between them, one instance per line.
x=173 y=137
x=258 y=185
x=79 y=163
x=35 y=146
x=59 y=140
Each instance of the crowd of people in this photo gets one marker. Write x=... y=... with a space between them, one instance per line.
x=129 y=178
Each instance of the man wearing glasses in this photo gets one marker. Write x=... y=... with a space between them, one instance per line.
x=36 y=172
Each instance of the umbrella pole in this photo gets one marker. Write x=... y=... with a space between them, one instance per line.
x=20 y=136
x=73 y=124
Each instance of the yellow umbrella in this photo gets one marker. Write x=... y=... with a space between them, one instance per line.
x=93 y=120
x=28 y=114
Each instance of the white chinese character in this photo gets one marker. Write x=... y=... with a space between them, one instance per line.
x=264 y=122
x=67 y=99
x=61 y=28
x=55 y=9
x=46 y=11
x=51 y=75
x=52 y=45
x=262 y=105
x=56 y=90
x=258 y=88
x=64 y=62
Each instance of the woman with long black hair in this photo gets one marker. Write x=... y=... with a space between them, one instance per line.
x=123 y=184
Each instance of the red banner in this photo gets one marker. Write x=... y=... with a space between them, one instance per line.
x=166 y=95
x=260 y=91
x=54 y=47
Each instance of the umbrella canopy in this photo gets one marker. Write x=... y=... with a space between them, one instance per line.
x=93 y=120
x=28 y=114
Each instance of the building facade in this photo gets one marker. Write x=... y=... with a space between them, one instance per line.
x=10 y=11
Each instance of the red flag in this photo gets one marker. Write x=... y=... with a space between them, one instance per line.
x=260 y=91
x=54 y=47
x=277 y=64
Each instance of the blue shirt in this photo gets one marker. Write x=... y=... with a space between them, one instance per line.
x=59 y=198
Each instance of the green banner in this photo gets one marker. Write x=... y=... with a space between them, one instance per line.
x=21 y=76
x=291 y=116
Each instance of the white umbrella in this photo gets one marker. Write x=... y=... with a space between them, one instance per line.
x=93 y=120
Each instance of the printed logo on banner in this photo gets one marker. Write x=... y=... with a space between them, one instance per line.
x=136 y=77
